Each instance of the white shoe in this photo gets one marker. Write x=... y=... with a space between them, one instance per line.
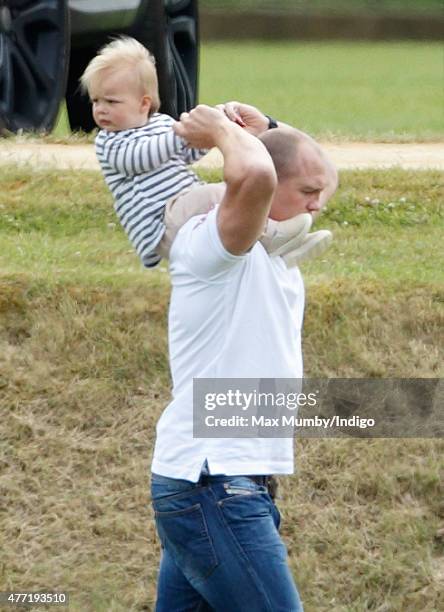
x=280 y=237
x=313 y=245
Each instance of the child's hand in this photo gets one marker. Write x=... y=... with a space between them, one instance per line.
x=202 y=127
x=245 y=115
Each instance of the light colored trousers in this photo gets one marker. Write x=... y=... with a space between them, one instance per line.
x=197 y=201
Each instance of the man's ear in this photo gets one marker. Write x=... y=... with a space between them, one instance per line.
x=146 y=104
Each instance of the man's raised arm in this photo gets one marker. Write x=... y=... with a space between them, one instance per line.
x=248 y=173
x=255 y=122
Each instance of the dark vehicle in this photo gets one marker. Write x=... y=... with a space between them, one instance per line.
x=46 y=44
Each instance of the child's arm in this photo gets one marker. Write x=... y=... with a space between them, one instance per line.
x=138 y=152
x=191 y=155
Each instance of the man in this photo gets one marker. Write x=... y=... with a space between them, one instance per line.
x=235 y=312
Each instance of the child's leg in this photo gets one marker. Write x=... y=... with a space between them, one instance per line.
x=199 y=200
x=279 y=237
x=312 y=246
x=291 y=240
x=287 y=238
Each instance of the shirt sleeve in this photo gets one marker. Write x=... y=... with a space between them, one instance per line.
x=198 y=250
x=133 y=153
x=191 y=155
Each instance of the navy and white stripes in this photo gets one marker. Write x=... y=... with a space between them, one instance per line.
x=145 y=167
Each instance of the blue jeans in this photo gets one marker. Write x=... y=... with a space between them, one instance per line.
x=221 y=550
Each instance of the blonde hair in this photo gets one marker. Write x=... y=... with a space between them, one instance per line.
x=125 y=52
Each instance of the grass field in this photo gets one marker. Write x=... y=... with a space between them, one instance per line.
x=399 y=7
x=370 y=91
x=84 y=377
x=350 y=91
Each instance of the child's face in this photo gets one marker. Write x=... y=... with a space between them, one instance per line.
x=117 y=102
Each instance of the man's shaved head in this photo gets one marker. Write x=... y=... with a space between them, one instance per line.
x=283 y=145
x=288 y=149
x=301 y=171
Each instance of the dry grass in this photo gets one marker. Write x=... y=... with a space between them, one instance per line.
x=84 y=377
x=374 y=329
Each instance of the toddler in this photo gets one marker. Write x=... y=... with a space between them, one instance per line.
x=146 y=165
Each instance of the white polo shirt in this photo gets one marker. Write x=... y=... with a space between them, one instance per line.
x=230 y=317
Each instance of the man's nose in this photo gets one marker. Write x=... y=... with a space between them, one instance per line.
x=314 y=204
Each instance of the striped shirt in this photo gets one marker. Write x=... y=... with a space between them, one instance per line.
x=145 y=167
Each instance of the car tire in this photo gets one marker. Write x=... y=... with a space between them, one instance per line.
x=34 y=52
x=170 y=30
x=78 y=105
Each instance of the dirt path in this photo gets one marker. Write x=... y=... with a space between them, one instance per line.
x=344 y=155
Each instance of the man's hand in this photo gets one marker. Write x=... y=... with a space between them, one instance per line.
x=245 y=115
x=203 y=127
x=249 y=173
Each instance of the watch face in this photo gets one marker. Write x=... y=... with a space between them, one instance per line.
x=272 y=123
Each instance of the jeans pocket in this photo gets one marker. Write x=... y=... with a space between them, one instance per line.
x=184 y=533
x=241 y=486
x=253 y=523
x=161 y=493
x=245 y=504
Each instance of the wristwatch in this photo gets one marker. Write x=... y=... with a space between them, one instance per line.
x=272 y=123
